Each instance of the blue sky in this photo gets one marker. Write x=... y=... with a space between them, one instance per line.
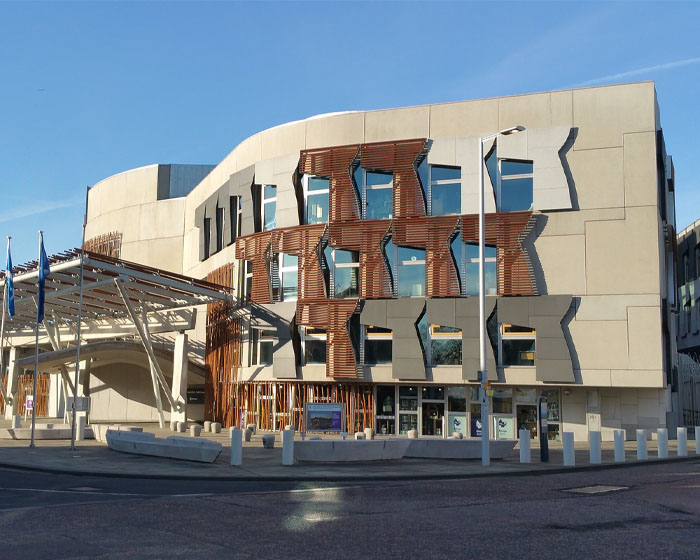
x=91 y=89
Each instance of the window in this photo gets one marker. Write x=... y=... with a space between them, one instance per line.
x=553 y=413
x=245 y=283
x=289 y=277
x=313 y=343
x=316 y=192
x=346 y=273
x=470 y=267
x=512 y=181
x=207 y=236
x=261 y=344
x=517 y=346
x=236 y=216
x=377 y=188
x=445 y=191
x=686 y=268
x=386 y=409
x=219 y=229
x=445 y=345
x=269 y=206
x=411 y=273
x=408 y=408
x=377 y=345
x=697 y=261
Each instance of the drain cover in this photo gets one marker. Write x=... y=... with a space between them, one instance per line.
x=599 y=489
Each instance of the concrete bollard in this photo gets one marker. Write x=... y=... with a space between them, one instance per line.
x=248 y=434
x=288 y=448
x=619 y=446
x=369 y=433
x=207 y=425
x=216 y=427
x=236 y=446
x=412 y=434
x=697 y=440
x=252 y=427
x=569 y=456
x=662 y=443
x=457 y=435
x=594 y=441
x=359 y=435
x=682 y=441
x=195 y=430
x=80 y=428
x=268 y=441
x=290 y=427
x=173 y=425
x=16 y=421
x=181 y=427
x=525 y=456
x=642 y=445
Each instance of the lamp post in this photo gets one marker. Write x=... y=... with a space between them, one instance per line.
x=485 y=454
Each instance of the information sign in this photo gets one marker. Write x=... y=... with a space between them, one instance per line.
x=324 y=417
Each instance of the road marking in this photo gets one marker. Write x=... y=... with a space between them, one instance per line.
x=89 y=490
x=598 y=489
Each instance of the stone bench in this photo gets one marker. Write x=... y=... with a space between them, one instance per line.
x=173 y=447
x=340 y=451
x=100 y=430
x=457 y=448
x=48 y=431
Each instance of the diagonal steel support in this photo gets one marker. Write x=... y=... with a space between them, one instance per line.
x=146 y=341
x=55 y=340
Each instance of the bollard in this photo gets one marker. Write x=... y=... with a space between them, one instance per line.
x=248 y=434
x=181 y=427
x=195 y=430
x=568 y=441
x=216 y=427
x=359 y=435
x=642 y=445
x=662 y=443
x=80 y=429
x=207 y=426
x=236 y=446
x=369 y=433
x=619 y=446
x=697 y=438
x=594 y=442
x=173 y=425
x=524 y=446
x=682 y=441
x=16 y=421
x=288 y=447
x=412 y=434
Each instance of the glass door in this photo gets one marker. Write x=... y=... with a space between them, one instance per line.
x=433 y=414
x=408 y=408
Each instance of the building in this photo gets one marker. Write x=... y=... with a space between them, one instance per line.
x=350 y=240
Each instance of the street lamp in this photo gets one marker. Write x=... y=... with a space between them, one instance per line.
x=485 y=454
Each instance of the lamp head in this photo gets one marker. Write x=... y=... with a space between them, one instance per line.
x=512 y=130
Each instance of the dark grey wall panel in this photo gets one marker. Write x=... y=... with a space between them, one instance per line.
x=407 y=360
x=467 y=319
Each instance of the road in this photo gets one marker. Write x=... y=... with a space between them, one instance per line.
x=653 y=513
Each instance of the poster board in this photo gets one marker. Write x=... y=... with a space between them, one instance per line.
x=324 y=417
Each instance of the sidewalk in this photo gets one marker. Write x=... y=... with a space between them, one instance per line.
x=95 y=458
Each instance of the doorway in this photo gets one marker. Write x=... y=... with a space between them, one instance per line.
x=527 y=418
x=433 y=414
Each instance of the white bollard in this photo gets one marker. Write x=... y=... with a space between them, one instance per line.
x=619 y=446
x=569 y=456
x=594 y=441
x=173 y=425
x=525 y=456
x=288 y=447
x=369 y=433
x=697 y=440
x=80 y=429
x=642 y=445
x=662 y=443
x=682 y=441
x=236 y=446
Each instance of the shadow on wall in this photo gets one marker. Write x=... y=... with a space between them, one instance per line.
x=575 y=364
x=567 y=171
x=529 y=247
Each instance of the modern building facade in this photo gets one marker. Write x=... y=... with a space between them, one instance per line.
x=351 y=242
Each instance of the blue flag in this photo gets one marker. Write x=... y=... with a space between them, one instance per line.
x=44 y=271
x=10 y=283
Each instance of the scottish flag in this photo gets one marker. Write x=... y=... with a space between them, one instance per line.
x=10 y=282
x=44 y=271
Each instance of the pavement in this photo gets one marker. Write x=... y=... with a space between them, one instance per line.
x=95 y=459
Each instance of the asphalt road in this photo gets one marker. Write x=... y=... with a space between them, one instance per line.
x=655 y=513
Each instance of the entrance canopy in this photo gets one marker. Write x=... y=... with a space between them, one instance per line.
x=110 y=288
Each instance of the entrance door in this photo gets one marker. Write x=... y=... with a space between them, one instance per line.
x=433 y=413
x=527 y=419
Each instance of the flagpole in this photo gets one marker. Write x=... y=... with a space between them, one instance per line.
x=36 y=352
x=77 y=334
x=5 y=294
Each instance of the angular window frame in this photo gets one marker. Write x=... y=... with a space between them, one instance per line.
x=364 y=188
x=436 y=184
x=436 y=335
x=286 y=270
x=379 y=335
x=508 y=333
x=261 y=338
x=264 y=203
x=309 y=194
x=333 y=265
x=489 y=257
x=311 y=334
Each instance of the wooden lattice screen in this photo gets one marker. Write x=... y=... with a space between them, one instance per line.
x=109 y=244
x=24 y=388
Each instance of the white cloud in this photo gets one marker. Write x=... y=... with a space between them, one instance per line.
x=37 y=207
x=640 y=71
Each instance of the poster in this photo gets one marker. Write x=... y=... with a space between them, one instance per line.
x=324 y=417
x=457 y=423
x=504 y=427
x=475 y=427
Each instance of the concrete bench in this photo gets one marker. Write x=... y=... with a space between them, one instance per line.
x=100 y=430
x=341 y=451
x=457 y=448
x=48 y=431
x=173 y=447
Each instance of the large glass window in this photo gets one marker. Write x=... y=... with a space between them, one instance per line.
x=411 y=272
x=408 y=408
x=386 y=409
x=470 y=260
x=261 y=345
x=346 y=273
x=377 y=189
x=317 y=193
x=445 y=193
x=236 y=208
x=219 y=229
x=457 y=410
x=289 y=266
x=512 y=181
x=245 y=281
x=445 y=345
x=377 y=345
x=313 y=345
x=269 y=206
x=517 y=346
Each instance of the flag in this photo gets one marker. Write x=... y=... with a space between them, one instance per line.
x=10 y=282
x=44 y=271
